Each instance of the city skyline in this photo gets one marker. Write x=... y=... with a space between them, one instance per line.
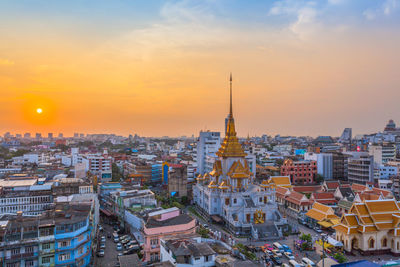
x=162 y=68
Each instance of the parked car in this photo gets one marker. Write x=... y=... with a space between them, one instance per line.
x=119 y=246
x=286 y=248
x=289 y=255
x=276 y=260
x=100 y=228
x=127 y=252
x=120 y=254
x=100 y=253
x=318 y=230
x=103 y=239
x=102 y=245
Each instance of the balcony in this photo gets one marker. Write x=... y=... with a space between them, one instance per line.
x=22 y=256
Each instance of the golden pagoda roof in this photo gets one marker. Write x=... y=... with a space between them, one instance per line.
x=224 y=185
x=217 y=169
x=237 y=170
x=212 y=185
x=199 y=177
x=264 y=184
x=231 y=147
x=206 y=176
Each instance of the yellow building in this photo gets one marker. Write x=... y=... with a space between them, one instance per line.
x=371 y=227
x=282 y=181
x=322 y=215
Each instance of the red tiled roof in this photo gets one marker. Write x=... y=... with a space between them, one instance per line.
x=307 y=189
x=332 y=184
x=324 y=195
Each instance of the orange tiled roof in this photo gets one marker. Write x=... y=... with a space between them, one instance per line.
x=351 y=220
x=388 y=205
x=315 y=214
x=341 y=228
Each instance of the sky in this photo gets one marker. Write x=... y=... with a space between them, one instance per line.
x=156 y=68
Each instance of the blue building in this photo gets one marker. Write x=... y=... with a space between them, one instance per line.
x=156 y=173
x=73 y=236
x=60 y=237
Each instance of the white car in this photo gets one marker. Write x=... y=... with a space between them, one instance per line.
x=289 y=255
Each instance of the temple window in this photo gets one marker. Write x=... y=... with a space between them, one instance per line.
x=384 y=242
x=371 y=243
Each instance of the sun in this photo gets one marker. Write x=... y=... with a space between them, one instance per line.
x=39 y=110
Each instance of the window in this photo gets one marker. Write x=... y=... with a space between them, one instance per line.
x=29 y=249
x=207 y=258
x=81 y=237
x=384 y=242
x=371 y=243
x=154 y=241
x=197 y=258
x=234 y=200
x=81 y=250
x=64 y=257
x=46 y=246
x=46 y=259
x=15 y=251
x=29 y=263
x=63 y=244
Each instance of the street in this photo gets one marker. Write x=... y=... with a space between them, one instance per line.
x=111 y=254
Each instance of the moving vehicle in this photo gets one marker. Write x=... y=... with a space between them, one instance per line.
x=294 y=263
x=108 y=235
x=289 y=255
x=307 y=262
x=119 y=246
x=100 y=253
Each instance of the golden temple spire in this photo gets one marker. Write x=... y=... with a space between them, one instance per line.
x=231 y=146
x=230 y=109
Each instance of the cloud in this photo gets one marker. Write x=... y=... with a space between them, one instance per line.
x=303 y=22
x=6 y=62
x=386 y=9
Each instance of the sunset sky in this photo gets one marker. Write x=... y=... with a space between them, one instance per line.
x=160 y=68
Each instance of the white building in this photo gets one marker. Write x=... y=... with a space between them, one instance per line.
x=185 y=252
x=207 y=145
x=382 y=152
x=229 y=192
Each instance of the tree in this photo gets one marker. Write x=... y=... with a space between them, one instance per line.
x=319 y=178
x=306 y=237
x=116 y=173
x=340 y=257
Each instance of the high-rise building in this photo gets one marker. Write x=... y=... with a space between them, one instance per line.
x=346 y=136
x=60 y=135
x=38 y=136
x=50 y=135
x=360 y=168
x=27 y=135
x=208 y=145
x=76 y=135
x=383 y=152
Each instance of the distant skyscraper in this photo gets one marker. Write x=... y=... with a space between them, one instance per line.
x=38 y=135
x=50 y=135
x=27 y=135
x=60 y=135
x=81 y=135
x=208 y=145
x=7 y=135
x=346 y=136
x=76 y=135
x=390 y=126
x=18 y=135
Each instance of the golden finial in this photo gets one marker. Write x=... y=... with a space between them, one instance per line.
x=230 y=110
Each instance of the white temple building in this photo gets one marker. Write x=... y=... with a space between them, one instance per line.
x=229 y=191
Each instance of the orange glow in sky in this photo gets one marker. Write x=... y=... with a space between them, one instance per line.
x=296 y=70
